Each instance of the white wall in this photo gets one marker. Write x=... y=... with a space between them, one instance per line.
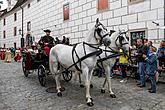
x=83 y=13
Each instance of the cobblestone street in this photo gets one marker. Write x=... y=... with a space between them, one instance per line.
x=20 y=93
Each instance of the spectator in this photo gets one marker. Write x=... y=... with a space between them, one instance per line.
x=145 y=42
x=150 y=44
x=142 y=50
x=8 y=56
x=123 y=60
x=161 y=53
x=151 y=65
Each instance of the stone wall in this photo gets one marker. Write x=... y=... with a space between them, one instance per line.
x=83 y=13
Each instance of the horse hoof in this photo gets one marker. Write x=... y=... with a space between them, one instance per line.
x=82 y=86
x=113 y=95
x=59 y=94
x=102 y=91
x=91 y=85
x=91 y=99
x=90 y=104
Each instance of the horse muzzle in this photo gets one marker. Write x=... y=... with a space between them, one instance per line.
x=106 y=41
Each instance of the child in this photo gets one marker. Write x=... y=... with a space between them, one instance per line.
x=151 y=68
x=123 y=60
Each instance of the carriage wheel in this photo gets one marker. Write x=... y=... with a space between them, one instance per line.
x=67 y=75
x=26 y=72
x=41 y=75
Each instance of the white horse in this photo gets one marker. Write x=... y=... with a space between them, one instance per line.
x=118 y=40
x=62 y=56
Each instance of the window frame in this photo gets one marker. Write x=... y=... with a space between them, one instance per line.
x=137 y=30
x=29 y=5
x=4 y=21
x=15 y=31
x=29 y=26
x=68 y=12
x=4 y=34
x=134 y=2
x=15 y=16
x=101 y=10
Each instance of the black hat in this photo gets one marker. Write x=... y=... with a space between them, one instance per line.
x=47 y=30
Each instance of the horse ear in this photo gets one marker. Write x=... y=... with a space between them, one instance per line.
x=97 y=20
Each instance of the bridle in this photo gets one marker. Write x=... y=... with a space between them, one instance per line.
x=120 y=38
x=98 y=31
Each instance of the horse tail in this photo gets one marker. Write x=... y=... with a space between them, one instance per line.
x=53 y=62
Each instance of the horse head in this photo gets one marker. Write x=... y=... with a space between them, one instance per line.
x=101 y=34
x=119 y=39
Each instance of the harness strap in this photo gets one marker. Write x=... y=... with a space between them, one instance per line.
x=110 y=56
x=74 y=51
x=97 y=52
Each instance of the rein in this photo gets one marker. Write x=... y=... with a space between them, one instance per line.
x=97 y=52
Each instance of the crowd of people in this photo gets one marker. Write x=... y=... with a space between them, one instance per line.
x=11 y=53
x=149 y=61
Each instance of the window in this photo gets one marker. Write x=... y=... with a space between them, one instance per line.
x=4 y=21
x=4 y=34
x=29 y=26
x=15 y=16
x=4 y=45
x=137 y=34
x=102 y=5
x=134 y=1
x=38 y=0
x=66 y=11
x=29 y=5
x=15 y=31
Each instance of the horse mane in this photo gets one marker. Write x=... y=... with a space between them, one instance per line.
x=89 y=33
x=114 y=34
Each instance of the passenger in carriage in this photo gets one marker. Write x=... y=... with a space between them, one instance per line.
x=64 y=40
x=67 y=41
x=57 y=41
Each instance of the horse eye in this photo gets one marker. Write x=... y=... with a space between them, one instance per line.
x=99 y=30
x=121 y=38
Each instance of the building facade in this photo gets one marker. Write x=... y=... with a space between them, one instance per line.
x=73 y=18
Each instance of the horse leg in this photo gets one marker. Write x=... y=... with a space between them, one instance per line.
x=107 y=71
x=87 y=73
x=103 y=87
x=53 y=66
x=58 y=86
x=80 y=80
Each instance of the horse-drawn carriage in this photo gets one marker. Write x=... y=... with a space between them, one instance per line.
x=81 y=57
x=39 y=62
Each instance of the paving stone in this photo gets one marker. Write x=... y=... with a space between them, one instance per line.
x=20 y=93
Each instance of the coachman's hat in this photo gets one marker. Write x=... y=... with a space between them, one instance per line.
x=47 y=30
